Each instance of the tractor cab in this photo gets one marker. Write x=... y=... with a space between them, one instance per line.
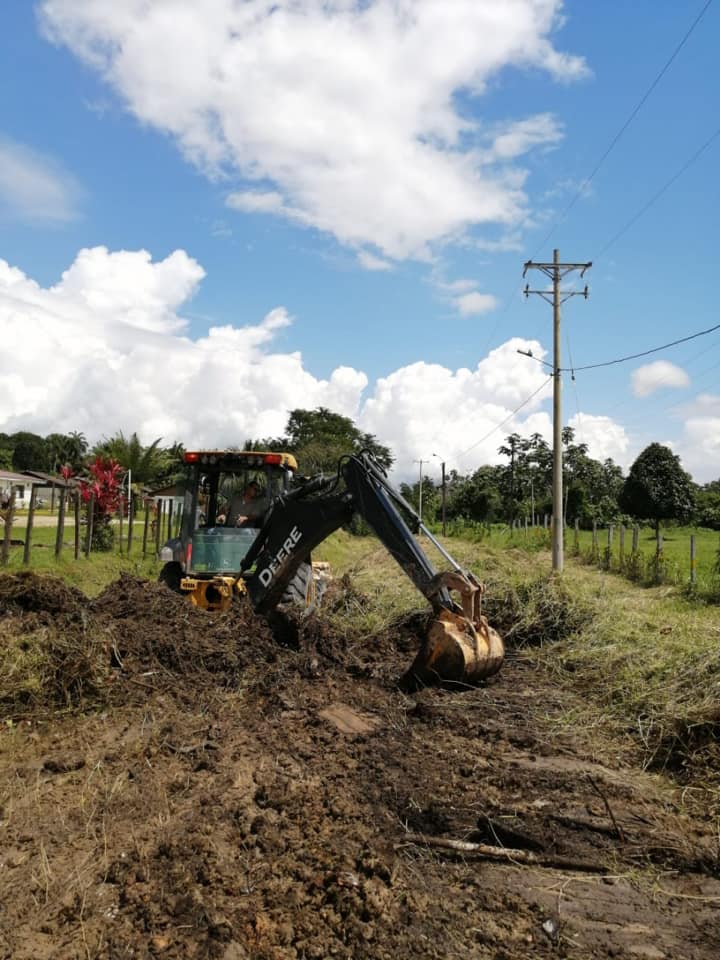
x=228 y=494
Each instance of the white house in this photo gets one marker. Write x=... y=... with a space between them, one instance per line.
x=22 y=484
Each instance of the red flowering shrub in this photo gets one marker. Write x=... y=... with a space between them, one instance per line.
x=104 y=483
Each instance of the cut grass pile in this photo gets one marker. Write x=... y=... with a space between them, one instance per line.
x=653 y=661
x=49 y=653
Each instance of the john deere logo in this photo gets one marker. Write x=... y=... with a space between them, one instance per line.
x=266 y=575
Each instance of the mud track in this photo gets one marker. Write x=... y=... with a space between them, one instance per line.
x=207 y=792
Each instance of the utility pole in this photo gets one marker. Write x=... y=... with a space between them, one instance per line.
x=444 y=495
x=421 y=462
x=556 y=271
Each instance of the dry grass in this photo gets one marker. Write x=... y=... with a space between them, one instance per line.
x=647 y=661
x=49 y=656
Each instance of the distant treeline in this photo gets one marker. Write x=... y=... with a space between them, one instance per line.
x=656 y=489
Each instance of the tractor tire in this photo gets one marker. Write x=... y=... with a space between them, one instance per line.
x=301 y=589
x=171 y=575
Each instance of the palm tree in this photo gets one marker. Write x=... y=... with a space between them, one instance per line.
x=146 y=463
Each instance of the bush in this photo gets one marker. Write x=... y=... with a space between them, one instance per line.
x=103 y=536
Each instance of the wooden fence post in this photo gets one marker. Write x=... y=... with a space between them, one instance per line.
x=576 y=539
x=60 y=533
x=9 y=513
x=622 y=545
x=611 y=532
x=90 y=521
x=693 y=561
x=78 y=507
x=636 y=539
x=170 y=520
x=159 y=526
x=659 y=558
x=145 y=528
x=594 y=549
x=121 y=511
x=29 y=527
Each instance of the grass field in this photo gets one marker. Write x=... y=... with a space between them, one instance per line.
x=91 y=573
x=674 y=568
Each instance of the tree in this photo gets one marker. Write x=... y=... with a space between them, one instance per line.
x=147 y=463
x=102 y=485
x=657 y=488
x=708 y=505
x=430 y=497
x=318 y=438
x=477 y=497
x=29 y=451
x=76 y=448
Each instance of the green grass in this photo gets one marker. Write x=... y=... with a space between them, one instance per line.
x=91 y=574
x=675 y=566
x=673 y=569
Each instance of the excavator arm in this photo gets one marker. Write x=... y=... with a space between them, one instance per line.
x=460 y=646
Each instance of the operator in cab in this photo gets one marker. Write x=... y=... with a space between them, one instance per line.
x=249 y=509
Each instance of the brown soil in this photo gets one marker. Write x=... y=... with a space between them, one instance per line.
x=205 y=791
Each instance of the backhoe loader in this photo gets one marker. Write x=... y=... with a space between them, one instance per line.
x=248 y=527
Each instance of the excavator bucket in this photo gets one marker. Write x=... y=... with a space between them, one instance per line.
x=458 y=647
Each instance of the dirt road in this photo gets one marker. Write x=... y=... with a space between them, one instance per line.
x=231 y=798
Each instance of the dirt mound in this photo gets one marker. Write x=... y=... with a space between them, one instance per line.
x=153 y=629
x=51 y=653
x=58 y=648
x=35 y=592
x=62 y=649
x=242 y=797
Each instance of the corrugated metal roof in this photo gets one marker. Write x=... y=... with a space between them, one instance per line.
x=47 y=479
x=18 y=478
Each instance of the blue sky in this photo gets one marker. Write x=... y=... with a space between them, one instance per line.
x=353 y=194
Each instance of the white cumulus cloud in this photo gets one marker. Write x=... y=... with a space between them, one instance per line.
x=469 y=304
x=603 y=436
x=340 y=114
x=656 y=376
x=34 y=187
x=106 y=348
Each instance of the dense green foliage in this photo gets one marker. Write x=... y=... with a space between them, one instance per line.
x=520 y=490
x=657 y=488
x=318 y=438
x=513 y=491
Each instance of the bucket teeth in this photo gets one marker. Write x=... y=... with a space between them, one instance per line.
x=455 y=651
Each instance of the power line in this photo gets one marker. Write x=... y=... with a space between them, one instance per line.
x=665 y=187
x=644 y=353
x=659 y=381
x=506 y=420
x=575 y=391
x=613 y=143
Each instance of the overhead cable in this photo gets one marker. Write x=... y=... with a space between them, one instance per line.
x=506 y=420
x=644 y=353
x=665 y=187
x=613 y=143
